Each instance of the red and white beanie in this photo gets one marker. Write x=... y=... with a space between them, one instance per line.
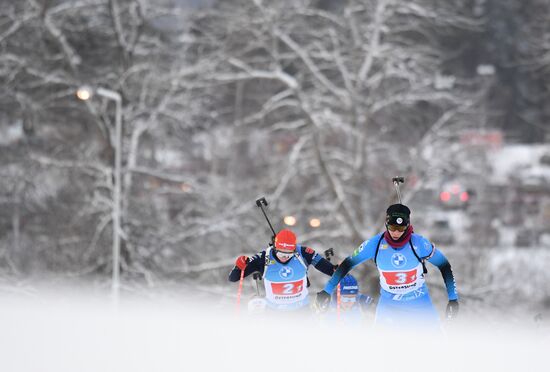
x=285 y=240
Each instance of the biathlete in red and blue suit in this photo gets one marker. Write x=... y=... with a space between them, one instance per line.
x=284 y=268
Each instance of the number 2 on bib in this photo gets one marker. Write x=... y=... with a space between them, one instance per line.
x=287 y=288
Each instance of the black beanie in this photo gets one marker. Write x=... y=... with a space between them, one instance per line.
x=398 y=214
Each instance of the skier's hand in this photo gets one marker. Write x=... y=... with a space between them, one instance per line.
x=241 y=262
x=452 y=309
x=365 y=302
x=322 y=301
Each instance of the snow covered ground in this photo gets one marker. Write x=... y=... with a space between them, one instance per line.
x=70 y=333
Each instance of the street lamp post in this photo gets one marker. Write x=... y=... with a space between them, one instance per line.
x=85 y=93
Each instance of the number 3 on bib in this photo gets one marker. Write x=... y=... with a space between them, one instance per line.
x=404 y=277
x=400 y=278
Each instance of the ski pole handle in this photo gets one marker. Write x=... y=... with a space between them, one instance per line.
x=396 y=181
x=328 y=253
x=261 y=202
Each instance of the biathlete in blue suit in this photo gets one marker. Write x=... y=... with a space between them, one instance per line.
x=284 y=268
x=353 y=304
x=400 y=256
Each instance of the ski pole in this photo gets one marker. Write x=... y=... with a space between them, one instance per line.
x=396 y=181
x=338 y=302
x=260 y=203
x=256 y=277
x=239 y=292
x=328 y=253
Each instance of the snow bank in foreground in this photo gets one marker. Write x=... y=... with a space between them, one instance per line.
x=66 y=334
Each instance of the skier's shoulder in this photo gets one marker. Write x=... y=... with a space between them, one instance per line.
x=375 y=241
x=305 y=251
x=260 y=256
x=307 y=255
x=422 y=245
x=368 y=247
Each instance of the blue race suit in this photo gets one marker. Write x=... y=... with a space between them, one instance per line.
x=351 y=316
x=285 y=283
x=404 y=298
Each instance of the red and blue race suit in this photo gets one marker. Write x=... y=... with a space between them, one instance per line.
x=285 y=282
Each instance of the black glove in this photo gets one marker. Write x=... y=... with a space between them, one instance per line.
x=452 y=309
x=322 y=301
x=364 y=301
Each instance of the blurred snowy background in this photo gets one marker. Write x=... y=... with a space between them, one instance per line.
x=314 y=104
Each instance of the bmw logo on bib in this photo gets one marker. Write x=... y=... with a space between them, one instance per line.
x=286 y=272
x=398 y=260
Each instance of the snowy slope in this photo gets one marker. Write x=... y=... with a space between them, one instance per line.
x=67 y=335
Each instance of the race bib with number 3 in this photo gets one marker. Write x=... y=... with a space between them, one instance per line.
x=396 y=278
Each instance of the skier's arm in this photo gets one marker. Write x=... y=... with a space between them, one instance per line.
x=361 y=254
x=315 y=259
x=256 y=263
x=438 y=259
